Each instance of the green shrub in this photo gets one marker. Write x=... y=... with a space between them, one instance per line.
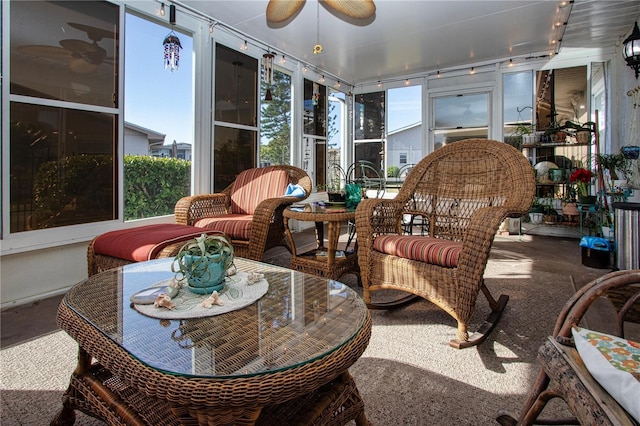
x=153 y=185
x=392 y=171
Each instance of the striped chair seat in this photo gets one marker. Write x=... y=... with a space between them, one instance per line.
x=236 y=226
x=434 y=251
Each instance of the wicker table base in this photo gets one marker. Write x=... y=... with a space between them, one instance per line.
x=131 y=371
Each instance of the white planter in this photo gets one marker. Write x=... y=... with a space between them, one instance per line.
x=536 y=218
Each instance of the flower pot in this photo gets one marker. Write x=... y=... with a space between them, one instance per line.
x=204 y=275
x=570 y=209
x=536 y=218
x=587 y=199
x=583 y=136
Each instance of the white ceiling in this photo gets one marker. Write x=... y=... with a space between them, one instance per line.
x=409 y=37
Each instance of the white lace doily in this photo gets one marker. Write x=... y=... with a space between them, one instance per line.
x=236 y=294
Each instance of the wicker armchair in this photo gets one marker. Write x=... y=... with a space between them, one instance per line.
x=249 y=210
x=461 y=193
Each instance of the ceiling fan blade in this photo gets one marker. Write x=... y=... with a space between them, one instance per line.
x=281 y=10
x=94 y=33
x=358 y=9
x=50 y=52
x=78 y=46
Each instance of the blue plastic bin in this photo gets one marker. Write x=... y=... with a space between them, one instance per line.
x=595 y=252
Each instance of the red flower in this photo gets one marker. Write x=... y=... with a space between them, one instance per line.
x=581 y=175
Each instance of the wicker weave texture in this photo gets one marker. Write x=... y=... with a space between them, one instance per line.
x=563 y=374
x=267 y=229
x=132 y=390
x=462 y=192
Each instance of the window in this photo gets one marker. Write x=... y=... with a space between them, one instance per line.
x=63 y=114
x=461 y=117
x=158 y=116
x=275 y=121
x=314 y=152
x=517 y=106
x=405 y=135
x=235 y=131
x=369 y=117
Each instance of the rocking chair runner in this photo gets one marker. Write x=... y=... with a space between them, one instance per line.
x=462 y=193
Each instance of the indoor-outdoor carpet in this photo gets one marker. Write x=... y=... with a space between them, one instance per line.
x=407 y=376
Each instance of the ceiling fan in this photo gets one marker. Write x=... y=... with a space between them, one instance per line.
x=81 y=56
x=281 y=10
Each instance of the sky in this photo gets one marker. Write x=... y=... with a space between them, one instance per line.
x=162 y=101
x=156 y=98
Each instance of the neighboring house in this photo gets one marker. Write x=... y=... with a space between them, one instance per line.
x=139 y=140
x=404 y=145
x=176 y=150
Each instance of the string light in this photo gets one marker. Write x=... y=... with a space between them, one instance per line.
x=322 y=79
x=438 y=74
x=162 y=9
x=283 y=60
x=473 y=71
x=245 y=46
x=211 y=25
x=510 y=62
x=379 y=83
x=406 y=82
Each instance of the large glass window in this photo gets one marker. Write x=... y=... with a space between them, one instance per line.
x=63 y=113
x=158 y=128
x=236 y=131
x=275 y=121
x=460 y=117
x=314 y=152
x=517 y=107
x=369 y=118
x=404 y=138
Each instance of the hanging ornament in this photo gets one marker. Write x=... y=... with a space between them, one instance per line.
x=172 y=44
x=317 y=49
x=267 y=64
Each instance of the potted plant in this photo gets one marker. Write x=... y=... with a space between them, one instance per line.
x=203 y=263
x=582 y=131
x=581 y=177
x=613 y=163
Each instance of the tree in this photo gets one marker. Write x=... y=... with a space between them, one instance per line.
x=276 y=121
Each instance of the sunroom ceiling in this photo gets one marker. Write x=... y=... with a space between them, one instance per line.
x=410 y=37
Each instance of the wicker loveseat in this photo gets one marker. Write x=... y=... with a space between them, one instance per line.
x=460 y=193
x=249 y=211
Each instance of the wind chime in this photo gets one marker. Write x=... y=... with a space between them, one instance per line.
x=267 y=64
x=172 y=44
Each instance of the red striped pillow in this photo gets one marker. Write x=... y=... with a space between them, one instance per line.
x=253 y=186
x=430 y=250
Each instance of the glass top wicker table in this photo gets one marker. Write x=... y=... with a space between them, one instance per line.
x=328 y=264
x=277 y=358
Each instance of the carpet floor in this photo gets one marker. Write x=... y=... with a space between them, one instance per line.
x=408 y=375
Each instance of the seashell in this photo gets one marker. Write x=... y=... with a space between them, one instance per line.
x=254 y=277
x=214 y=299
x=164 y=301
x=232 y=270
x=176 y=283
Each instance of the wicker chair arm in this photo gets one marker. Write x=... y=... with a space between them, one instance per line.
x=189 y=210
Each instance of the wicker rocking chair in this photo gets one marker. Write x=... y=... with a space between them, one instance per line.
x=461 y=193
x=249 y=211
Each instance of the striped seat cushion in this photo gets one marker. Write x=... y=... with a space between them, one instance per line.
x=235 y=226
x=144 y=242
x=253 y=186
x=434 y=251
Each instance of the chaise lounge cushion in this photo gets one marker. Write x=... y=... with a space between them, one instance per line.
x=143 y=242
x=434 y=251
